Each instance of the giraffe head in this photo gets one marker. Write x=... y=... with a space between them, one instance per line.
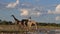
x=12 y=15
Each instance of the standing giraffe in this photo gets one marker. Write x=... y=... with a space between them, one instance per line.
x=16 y=20
x=30 y=23
x=25 y=22
x=22 y=22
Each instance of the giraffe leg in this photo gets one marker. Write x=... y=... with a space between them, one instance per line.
x=36 y=26
x=29 y=25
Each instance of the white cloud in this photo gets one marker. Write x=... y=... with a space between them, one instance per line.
x=35 y=13
x=56 y=11
x=49 y=12
x=38 y=13
x=26 y=4
x=29 y=12
x=24 y=12
x=57 y=18
x=12 y=5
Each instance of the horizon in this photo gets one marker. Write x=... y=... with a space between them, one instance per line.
x=40 y=10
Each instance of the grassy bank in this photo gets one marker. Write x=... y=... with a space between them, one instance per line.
x=18 y=28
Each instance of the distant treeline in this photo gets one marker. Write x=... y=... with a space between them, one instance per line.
x=48 y=24
x=4 y=22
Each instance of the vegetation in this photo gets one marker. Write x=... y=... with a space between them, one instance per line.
x=48 y=24
x=4 y=22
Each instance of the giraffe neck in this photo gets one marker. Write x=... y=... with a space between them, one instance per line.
x=15 y=18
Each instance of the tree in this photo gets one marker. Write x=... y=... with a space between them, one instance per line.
x=10 y=23
x=0 y=20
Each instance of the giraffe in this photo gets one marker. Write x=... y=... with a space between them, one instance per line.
x=25 y=22
x=16 y=20
x=21 y=23
x=30 y=23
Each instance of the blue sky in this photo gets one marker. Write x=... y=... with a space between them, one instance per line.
x=39 y=10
